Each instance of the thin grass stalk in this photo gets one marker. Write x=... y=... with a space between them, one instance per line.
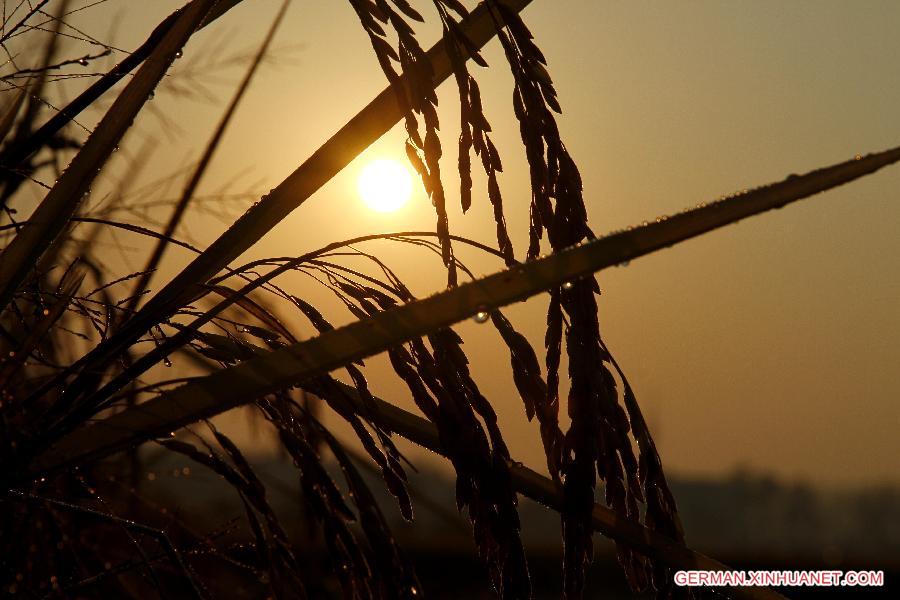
x=68 y=285
x=186 y=334
x=549 y=493
x=12 y=110
x=367 y=126
x=13 y=178
x=53 y=214
x=168 y=548
x=31 y=12
x=243 y=383
x=15 y=154
x=153 y=262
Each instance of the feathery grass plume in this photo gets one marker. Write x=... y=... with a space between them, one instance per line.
x=12 y=176
x=54 y=212
x=12 y=155
x=191 y=187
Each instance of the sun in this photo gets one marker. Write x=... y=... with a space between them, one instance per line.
x=385 y=185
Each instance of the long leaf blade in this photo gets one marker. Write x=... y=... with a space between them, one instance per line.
x=261 y=375
x=368 y=125
x=54 y=212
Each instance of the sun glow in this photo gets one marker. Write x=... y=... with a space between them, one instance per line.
x=385 y=185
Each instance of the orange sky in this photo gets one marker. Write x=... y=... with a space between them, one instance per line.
x=772 y=344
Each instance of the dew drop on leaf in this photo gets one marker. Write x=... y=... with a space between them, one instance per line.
x=481 y=315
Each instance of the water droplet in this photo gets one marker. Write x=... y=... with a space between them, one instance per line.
x=167 y=362
x=857 y=157
x=151 y=95
x=482 y=315
x=83 y=62
x=568 y=285
x=624 y=263
x=643 y=223
x=179 y=54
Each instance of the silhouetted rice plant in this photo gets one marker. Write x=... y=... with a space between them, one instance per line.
x=78 y=341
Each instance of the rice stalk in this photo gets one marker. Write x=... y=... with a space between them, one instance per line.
x=290 y=365
x=547 y=492
x=641 y=515
x=368 y=125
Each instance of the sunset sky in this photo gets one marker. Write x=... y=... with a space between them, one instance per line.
x=773 y=344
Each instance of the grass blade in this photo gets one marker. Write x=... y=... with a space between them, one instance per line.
x=368 y=125
x=69 y=284
x=13 y=155
x=261 y=375
x=545 y=491
x=191 y=187
x=60 y=204
x=12 y=110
